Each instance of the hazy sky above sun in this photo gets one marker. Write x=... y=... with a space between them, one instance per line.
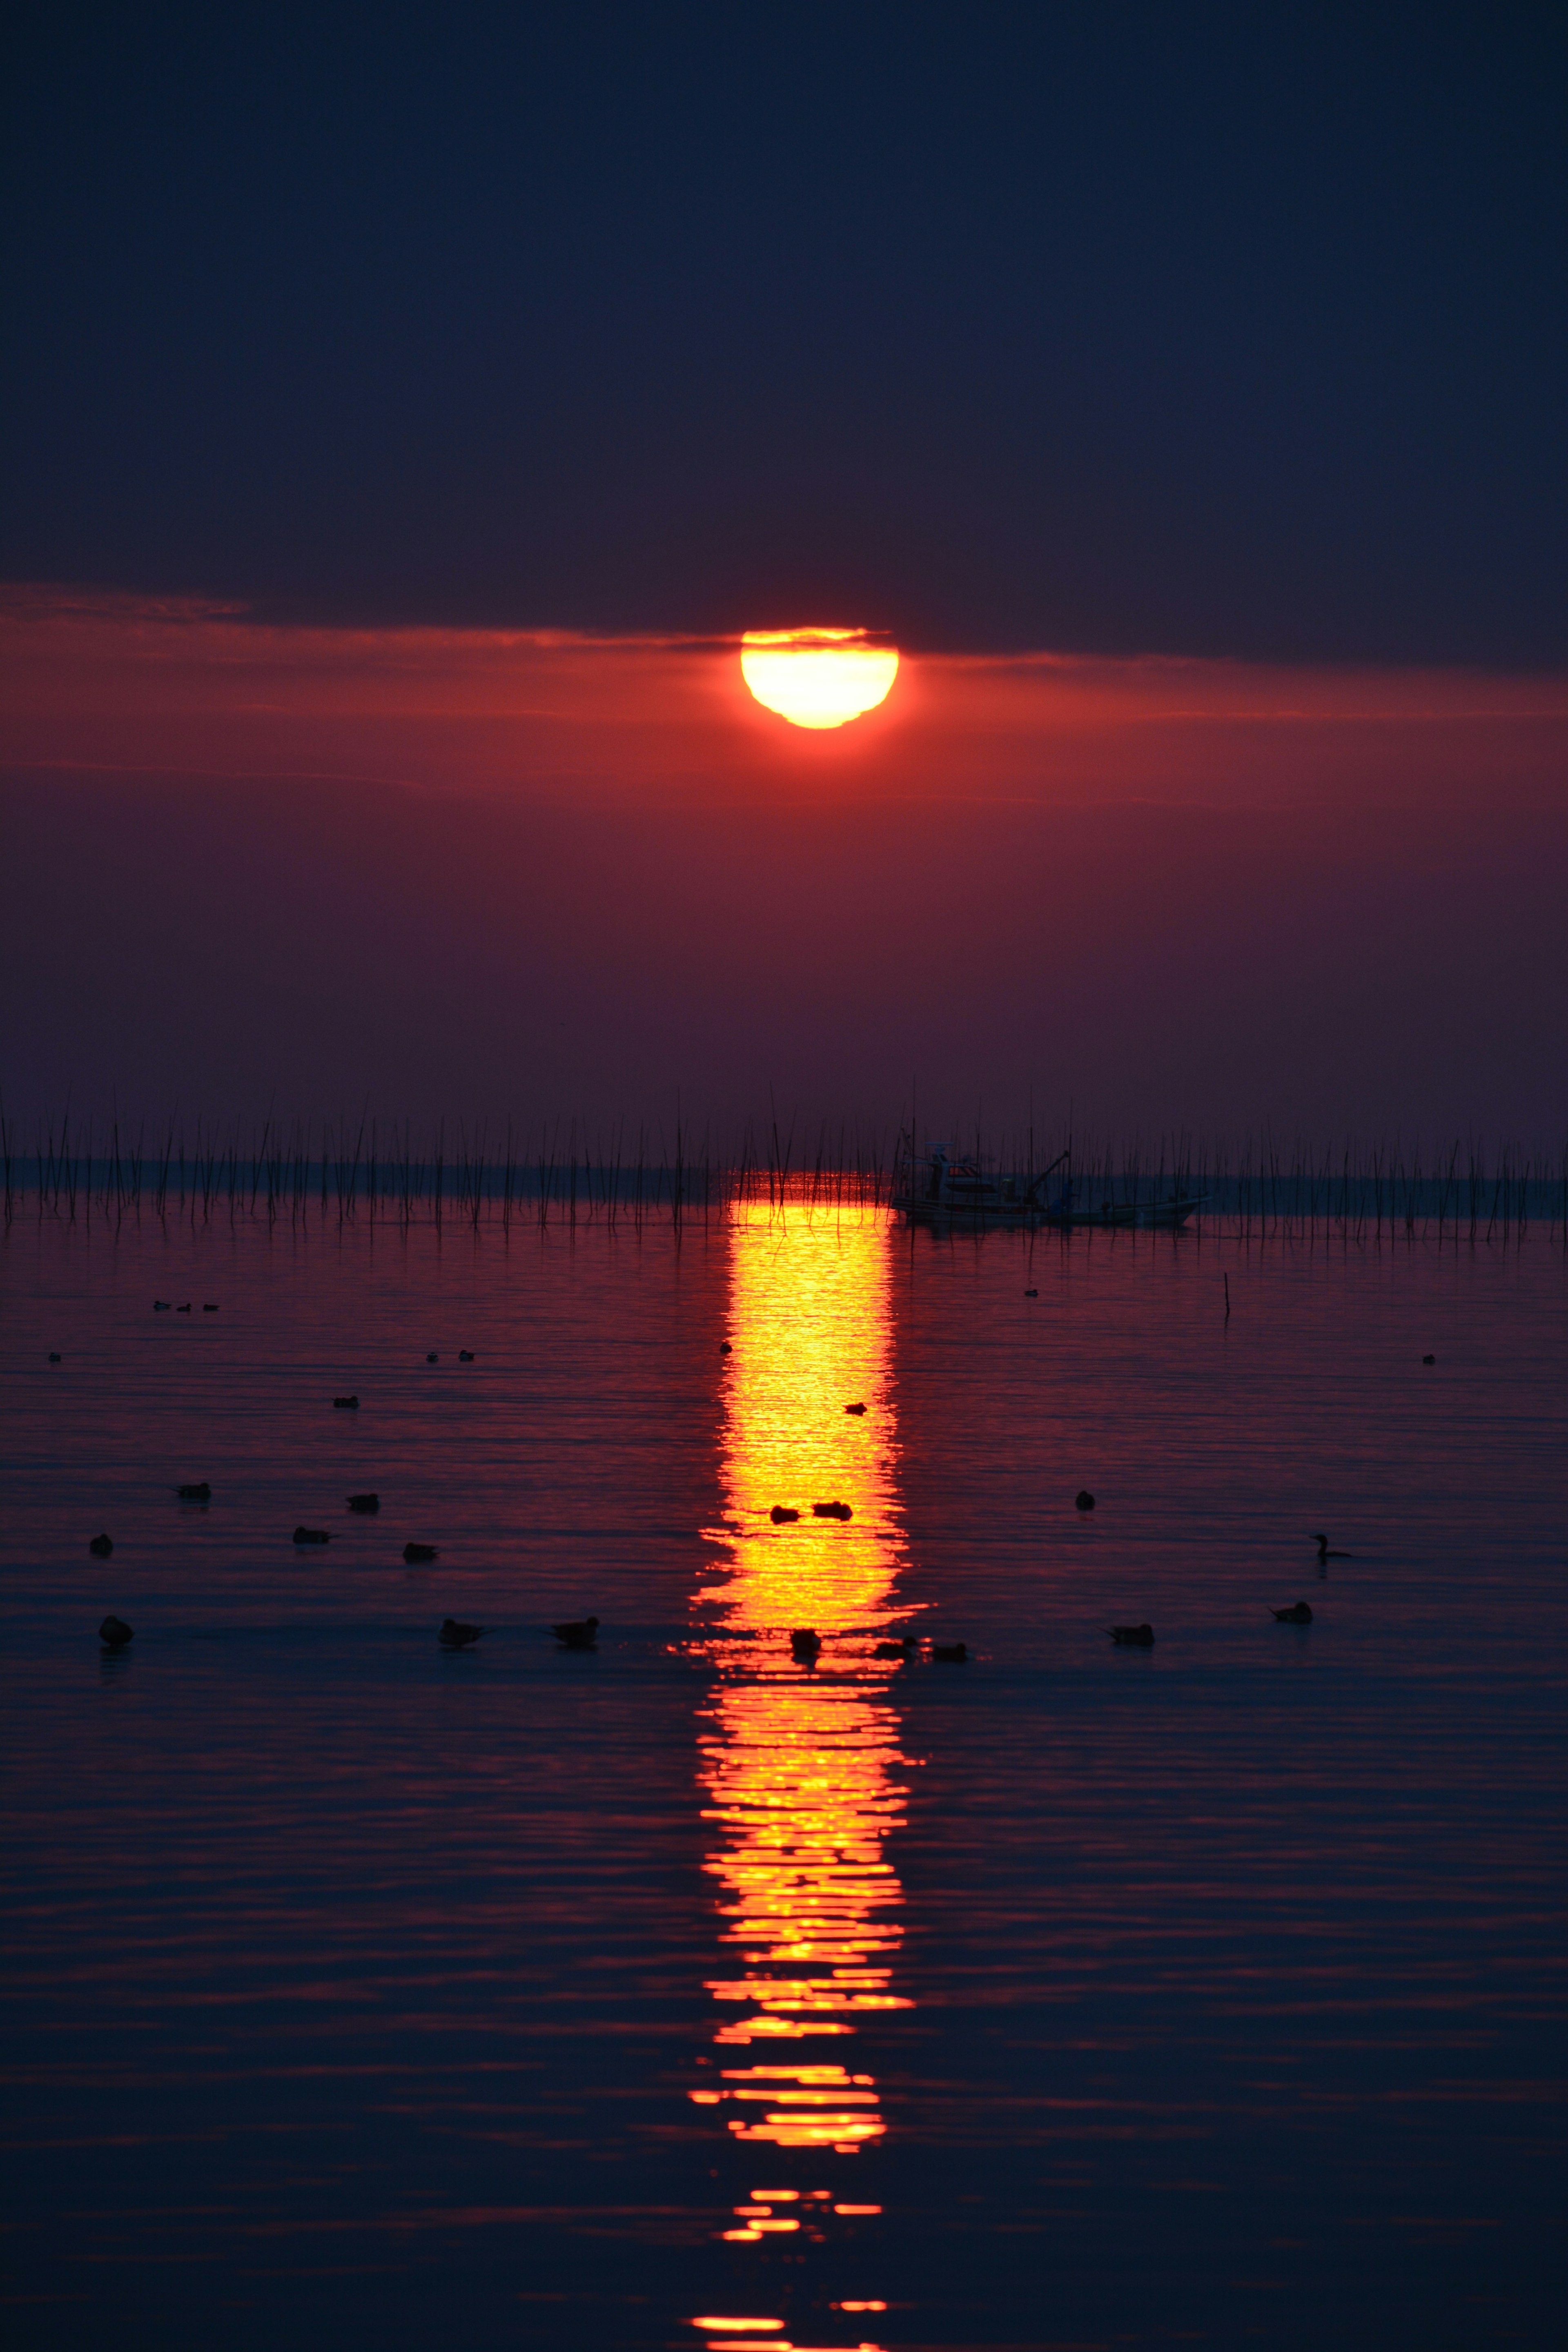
x=1218 y=331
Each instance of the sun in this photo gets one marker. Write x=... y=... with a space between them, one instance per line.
x=818 y=678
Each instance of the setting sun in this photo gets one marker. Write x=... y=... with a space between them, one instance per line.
x=818 y=678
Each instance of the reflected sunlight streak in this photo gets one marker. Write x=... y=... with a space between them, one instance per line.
x=800 y=1763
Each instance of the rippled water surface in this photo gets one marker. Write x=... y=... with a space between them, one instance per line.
x=683 y=1991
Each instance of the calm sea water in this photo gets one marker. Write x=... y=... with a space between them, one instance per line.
x=678 y=1993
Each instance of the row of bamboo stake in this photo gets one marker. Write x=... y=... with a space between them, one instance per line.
x=359 y=1169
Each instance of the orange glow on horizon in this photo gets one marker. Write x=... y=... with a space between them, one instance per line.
x=818 y=678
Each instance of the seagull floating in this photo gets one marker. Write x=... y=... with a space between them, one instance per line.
x=1133 y=1637
x=1324 y=1553
x=782 y=1515
x=1031 y=1294
x=311 y=1535
x=581 y=1635
x=907 y=1648
x=161 y=1306
x=1083 y=1499
x=854 y=1408
x=805 y=1646
x=418 y=1555
x=455 y=1636
x=114 y=1632
x=1298 y=1613
x=210 y=1306
x=465 y=1355
x=831 y=1511
x=53 y=1358
x=432 y=1358
x=346 y=1404
x=200 y=1493
x=100 y=1546
x=364 y=1502
x=1428 y=1359
x=951 y=1653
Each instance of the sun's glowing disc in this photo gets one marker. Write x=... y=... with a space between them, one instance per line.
x=818 y=678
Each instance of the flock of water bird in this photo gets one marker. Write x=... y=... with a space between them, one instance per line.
x=806 y=1643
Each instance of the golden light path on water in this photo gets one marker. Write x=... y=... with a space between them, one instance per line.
x=801 y=1765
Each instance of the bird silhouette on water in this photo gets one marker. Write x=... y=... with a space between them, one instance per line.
x=805 y=1646
x=782 y=1516
x=579 y=1633
x=855 y=1409
x=364 y=1502
x=114 y=1632
x=201 y=1492
x=950 y=1654
x=100 y=1546
x=1133 y=1637
x=312 y=1536
x=455 y=1636
x=1324 y=1553
x=419 y=1555
x=908 y=1648
x=831 y=1511
x=1298 y=1614
x=465 y=1355
x=346 y=1404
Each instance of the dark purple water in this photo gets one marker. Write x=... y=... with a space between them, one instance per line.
x=360 y=1992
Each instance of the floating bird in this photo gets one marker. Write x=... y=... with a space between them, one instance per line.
x=725 y=1348
x=1428 y=1359
x=210 y=1306
x=1031 y=1294
x=581 y=1635
x=782 y=1516
x=951 y=1653
x=805 y=1646
x=160 y=1305
x=364 y=1502
x=418 y=1555
x=455 y=1636
x=854 y=1408
x=201 y=1493
x=831 y=1511
x=1133 y=1637
x=1297 y=1614
x=1323 y=1552
x=465 y=1355
x=53 y=1358
x=1084 y=1499
x=100 y=1546
x=346 y=1404
x=904 y=1649
x=311 y=1535
x=114 y=1632
x=432 y=1359
x=184 y=1309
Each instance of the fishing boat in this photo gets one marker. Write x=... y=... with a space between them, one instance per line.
x=1170 y=1216
x=937 y=1187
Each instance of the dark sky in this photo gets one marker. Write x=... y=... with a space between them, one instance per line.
x=1175 y=328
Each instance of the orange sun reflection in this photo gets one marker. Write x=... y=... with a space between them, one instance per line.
x=801 y=1763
